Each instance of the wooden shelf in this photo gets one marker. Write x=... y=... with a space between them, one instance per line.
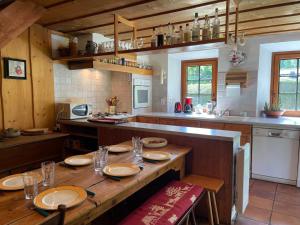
x=120 y=68
x=186 y=47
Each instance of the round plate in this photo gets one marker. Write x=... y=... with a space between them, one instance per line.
x=67 y=195
x=154 y=142
x=156 y=155
x=15 y=182
x=119 y=148
x=79 y=160
x=121 y=169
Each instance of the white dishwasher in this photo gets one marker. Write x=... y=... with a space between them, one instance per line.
x=275 y=155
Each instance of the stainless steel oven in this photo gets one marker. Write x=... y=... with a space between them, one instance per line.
x=141 y=93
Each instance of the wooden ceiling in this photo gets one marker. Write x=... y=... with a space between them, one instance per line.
x=257 y=17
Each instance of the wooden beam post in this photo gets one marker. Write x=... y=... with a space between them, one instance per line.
x=16 y=18
x=236 y=22
x=227 y=20
x=116 y=33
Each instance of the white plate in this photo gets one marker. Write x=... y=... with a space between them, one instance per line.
x=157 y=155
x=121 y=169
x=119 y=148
x=79 y=160
x=154 y=142
x=66 y=195
x=14 y=182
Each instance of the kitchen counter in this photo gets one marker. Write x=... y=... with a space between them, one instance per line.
x=283 y=122
x=159 y=128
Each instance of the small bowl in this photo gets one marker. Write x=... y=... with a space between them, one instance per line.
x=274 y=114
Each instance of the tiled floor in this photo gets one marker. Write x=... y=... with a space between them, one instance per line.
x=271 y=204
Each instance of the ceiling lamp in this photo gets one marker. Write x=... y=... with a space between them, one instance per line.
x=237 y=40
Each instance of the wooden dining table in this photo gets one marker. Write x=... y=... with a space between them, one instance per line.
x=14 y=209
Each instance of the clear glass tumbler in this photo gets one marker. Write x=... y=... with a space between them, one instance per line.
x=100 y=159
x=48 y=172
x=137 y=146
x=30 y=181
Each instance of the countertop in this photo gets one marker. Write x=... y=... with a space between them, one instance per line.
x=159 y=128
x=282 y=122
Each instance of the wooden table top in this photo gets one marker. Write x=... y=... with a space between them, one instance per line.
x=14 y=209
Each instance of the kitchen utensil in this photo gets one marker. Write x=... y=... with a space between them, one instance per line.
x=156 y=155
x=154 y=142
x=48 y=172
x=119 y=148
x=121 y=169
x=79 y=160
x=69 y=196
x=178 y=107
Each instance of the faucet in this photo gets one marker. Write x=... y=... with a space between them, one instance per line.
x=223 y=112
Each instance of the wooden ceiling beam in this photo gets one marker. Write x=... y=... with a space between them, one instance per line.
x=16 y=18
x=58 y=4
x=149 y=16
x=98 y=13
x=195 y=6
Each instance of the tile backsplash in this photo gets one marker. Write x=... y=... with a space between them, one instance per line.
x=88 y=85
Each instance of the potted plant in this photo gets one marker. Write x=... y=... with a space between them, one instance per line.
x=273 y=110
x=112 y=103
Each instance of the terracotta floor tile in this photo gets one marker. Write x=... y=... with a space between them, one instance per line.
x=287 y=208
x=245 y=221
x=254 y=213
x=289 y=189
x=259 y=202
x=282 y=219
x=262 y=194
x=288 y=197
x=264 y=186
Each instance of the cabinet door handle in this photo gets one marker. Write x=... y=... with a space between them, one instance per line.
x=272 y=134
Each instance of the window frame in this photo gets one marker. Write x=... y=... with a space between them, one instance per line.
x=274 y=91
x=199 y=62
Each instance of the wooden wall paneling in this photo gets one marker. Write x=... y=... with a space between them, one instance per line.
x=16 y=18
x=1 y=96
x=42 y=79
x=17 y=94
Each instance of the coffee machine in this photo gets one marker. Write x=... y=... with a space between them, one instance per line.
x=188 y=105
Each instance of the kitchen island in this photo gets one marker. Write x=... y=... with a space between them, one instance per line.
x=213 y=151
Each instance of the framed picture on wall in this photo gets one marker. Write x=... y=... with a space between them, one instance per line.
x=14 y=68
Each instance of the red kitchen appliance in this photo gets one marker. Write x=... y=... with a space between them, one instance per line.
x=178 y=107
x=188 y=105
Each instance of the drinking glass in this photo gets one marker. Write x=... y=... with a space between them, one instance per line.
x=48 y=172
x=100 y=159
x=30 y=185
x=137 y=145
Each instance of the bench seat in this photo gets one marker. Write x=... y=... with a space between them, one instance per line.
x=167 y=206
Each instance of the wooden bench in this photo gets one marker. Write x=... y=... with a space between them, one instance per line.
x=212 y=186
x=173 y=204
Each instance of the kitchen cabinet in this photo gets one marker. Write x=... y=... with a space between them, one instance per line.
x=245 y=129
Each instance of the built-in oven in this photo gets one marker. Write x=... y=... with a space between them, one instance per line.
x=141 y=93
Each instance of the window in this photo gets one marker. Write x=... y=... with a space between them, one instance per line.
x=199 y=80
x=285 y=87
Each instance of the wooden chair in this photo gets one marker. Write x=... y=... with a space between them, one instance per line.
x=213 y=186
x=56 y=218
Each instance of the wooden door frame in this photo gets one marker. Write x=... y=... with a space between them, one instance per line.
x=274 y=87
x=209 y=61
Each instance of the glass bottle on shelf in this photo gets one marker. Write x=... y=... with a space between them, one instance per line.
x=205 y=30
x=153 y=38
x=187 y=33
x=181 y=35
x=173 y=36
x=169 y=35
x=196 y=29
x=160 y=37
x=216 y=25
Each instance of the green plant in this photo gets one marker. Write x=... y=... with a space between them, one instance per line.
x=272 y=107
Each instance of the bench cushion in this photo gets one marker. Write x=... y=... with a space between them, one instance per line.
x=166 y=207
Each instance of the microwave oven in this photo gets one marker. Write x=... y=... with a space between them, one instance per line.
x=70 y=111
